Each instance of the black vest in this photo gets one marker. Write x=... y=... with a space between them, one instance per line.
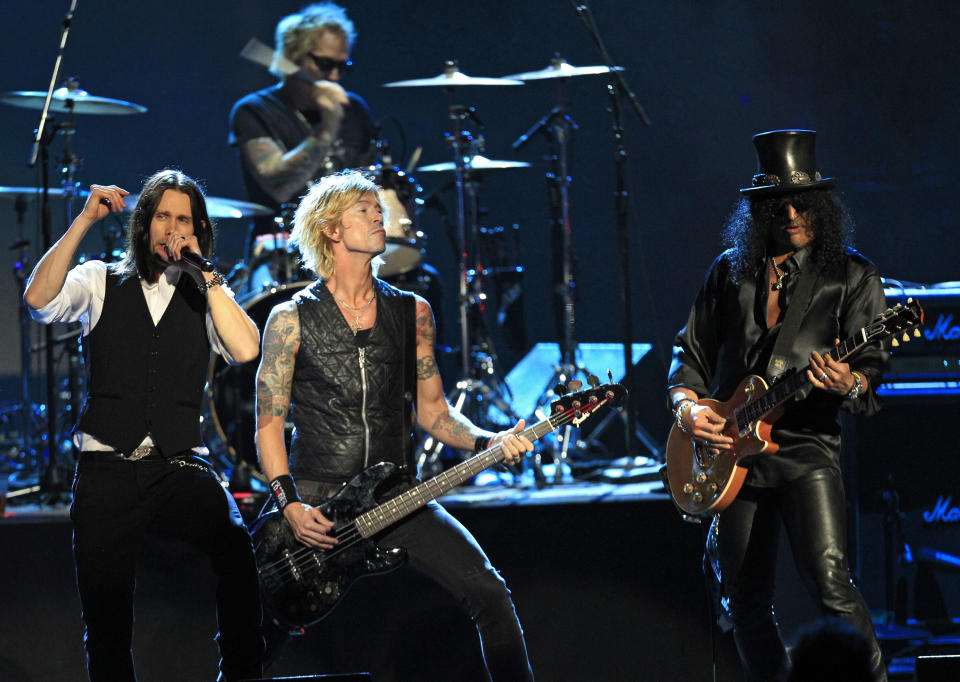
x=347 y=416
x=143 y=378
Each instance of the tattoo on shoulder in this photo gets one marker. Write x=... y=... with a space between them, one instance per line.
x=281 y=339
x=426 y=329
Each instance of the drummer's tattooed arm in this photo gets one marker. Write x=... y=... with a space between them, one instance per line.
x=426 y=338
x=281 y=340
x=281 y=173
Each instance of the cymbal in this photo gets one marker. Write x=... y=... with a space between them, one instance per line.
x=450 y=78
x=218 y=207
x=31 y=192
x=477 y=163
x=68 y=99
x=559 y=68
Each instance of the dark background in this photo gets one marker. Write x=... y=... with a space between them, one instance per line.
x=876 y=79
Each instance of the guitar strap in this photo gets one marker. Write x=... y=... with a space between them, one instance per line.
x=780 y=357
x=409 y=351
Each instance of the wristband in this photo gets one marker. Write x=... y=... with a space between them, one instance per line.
x=284 y=491
x=678 y=413
x=481 y=443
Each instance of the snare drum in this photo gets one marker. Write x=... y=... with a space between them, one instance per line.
x=399 y=192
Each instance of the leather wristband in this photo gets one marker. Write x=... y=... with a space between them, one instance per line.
x=284 y=491
x=481 y=443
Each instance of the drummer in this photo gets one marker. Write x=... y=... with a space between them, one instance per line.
x=304 y=127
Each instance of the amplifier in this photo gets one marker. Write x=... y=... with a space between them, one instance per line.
x=928 y=364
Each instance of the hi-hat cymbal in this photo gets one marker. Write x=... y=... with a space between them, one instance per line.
x=451 y=78
x=476 y=163
x=559 y=68
x=218 y=207
x=67 y=99
x=31 y=192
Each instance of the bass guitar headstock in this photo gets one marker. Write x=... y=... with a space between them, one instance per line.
x=574 y=408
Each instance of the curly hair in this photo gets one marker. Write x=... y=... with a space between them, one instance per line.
x=746 y=232
x=139 y=258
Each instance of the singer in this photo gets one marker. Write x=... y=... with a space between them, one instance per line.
x=148 y=331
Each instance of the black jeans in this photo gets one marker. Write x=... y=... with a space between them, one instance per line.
x=117 y=502
x=813 y=514
x=439 y=547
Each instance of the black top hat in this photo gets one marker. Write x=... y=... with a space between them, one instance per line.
x=785 y=163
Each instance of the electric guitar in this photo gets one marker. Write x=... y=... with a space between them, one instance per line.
x=703 y=483
x=300 y=585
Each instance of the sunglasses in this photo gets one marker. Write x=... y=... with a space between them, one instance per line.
x=326 y=64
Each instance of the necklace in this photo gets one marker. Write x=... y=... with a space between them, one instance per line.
x=781 y=275
x=356 y=311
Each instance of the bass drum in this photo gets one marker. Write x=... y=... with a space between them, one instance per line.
x=231 y=391
x=399 y=193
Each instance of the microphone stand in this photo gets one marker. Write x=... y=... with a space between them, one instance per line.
x=51 y=482
x=617 y=89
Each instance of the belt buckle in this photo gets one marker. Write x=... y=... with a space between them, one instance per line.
x=140 y=452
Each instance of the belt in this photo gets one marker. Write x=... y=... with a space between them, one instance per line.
x=142 y=453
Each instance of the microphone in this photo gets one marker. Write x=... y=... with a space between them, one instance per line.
x=193 y=260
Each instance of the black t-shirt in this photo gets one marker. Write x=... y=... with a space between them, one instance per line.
x=266 y=114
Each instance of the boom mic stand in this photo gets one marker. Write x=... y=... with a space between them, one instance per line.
x=617 y=89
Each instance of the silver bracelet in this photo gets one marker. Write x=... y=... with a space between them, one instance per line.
x=678 y=413
x=215 y=281
x=857 y=387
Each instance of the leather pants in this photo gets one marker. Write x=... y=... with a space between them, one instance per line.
x=812 y=511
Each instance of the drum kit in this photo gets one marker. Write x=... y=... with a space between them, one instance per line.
x=272 y=275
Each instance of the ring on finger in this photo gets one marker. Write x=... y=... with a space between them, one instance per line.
x=823 y=376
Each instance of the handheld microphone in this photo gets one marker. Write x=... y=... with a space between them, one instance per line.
x=193 y=260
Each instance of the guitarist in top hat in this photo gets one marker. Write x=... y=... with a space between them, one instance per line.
x=788 y=225
x=355 y=355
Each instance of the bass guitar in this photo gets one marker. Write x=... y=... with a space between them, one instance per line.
x=300 y=585
x=704 y=483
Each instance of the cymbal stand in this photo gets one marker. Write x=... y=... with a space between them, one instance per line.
x=21 y=271
x=557 y=125
x=471 y=392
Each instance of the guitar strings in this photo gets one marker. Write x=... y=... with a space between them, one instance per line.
x=350 y=535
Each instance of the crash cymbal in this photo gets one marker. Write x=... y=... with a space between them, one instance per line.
x=451 y=78
x=477 y=163
x=31 y=192
x=559 y=68
x=218 y=207
x=69 y=99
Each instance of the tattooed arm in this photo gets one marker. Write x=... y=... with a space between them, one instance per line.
x=284 y=174
x=436 y=416
x=281 y=340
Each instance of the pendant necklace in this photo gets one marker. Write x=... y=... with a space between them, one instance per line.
x=781 y=275
x=356 y=311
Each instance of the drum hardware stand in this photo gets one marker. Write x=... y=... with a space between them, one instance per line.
x=557 y=125
x=21 y=271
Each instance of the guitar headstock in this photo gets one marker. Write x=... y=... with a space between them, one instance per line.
x=576 y=407
x=892 y=322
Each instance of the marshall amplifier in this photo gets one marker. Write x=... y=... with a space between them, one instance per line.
x=929 y=365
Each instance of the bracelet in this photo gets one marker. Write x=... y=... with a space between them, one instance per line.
x=857 y=387
x=215 y=281
x=481 y=443
x=678 y=413
x=284 y=491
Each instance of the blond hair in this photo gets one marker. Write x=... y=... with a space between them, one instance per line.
x=296 y=32
x=321 y=212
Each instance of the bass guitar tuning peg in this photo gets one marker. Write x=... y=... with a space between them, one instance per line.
x=593 y=381
x=560 y=390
